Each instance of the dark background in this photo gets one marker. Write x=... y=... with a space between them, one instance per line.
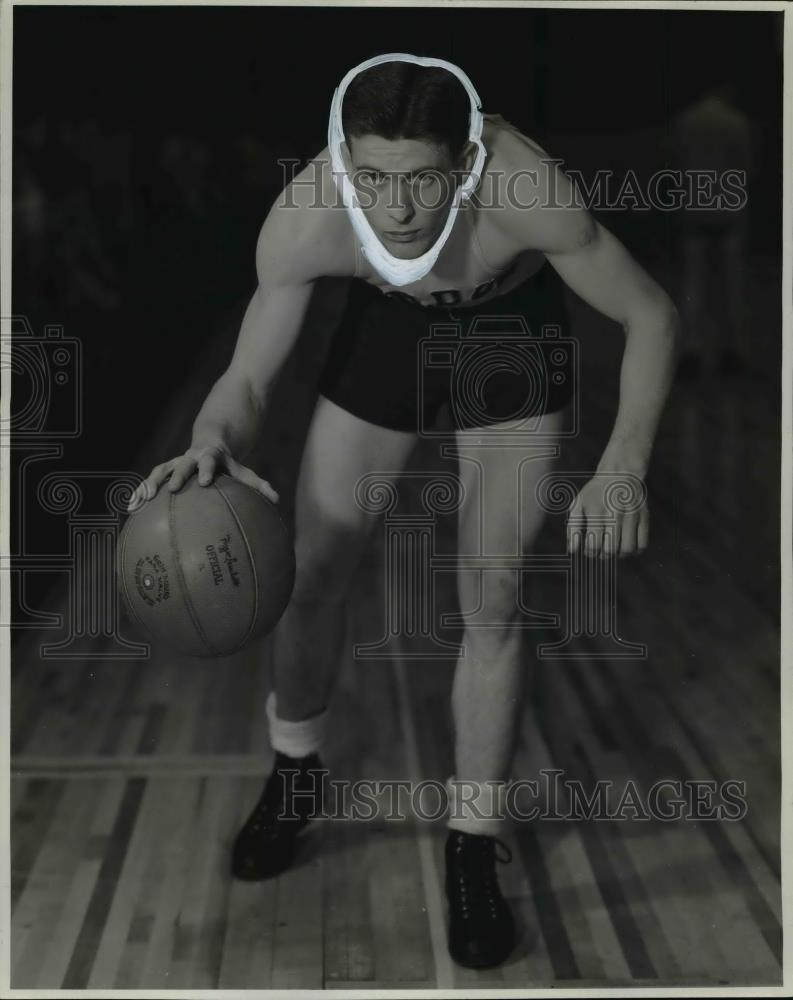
x=146 y=140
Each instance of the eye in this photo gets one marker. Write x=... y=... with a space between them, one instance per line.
x=370 y=177
x=426 y=178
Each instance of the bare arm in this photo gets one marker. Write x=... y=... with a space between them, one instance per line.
x=232 y=413
x=595 y=265
x=297 y=244
x=603 y=273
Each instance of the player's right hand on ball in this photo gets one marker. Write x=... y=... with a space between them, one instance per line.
x=207 y=463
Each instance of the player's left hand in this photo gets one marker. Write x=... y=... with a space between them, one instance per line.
x=609 y=516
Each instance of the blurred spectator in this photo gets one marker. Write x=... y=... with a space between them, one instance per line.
x=712 y=134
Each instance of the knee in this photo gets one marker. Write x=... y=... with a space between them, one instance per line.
x=326 y=557
x=499 y=606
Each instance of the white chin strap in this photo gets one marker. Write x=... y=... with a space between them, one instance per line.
x=393 y=269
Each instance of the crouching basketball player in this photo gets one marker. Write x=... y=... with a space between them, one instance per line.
x=417 y=255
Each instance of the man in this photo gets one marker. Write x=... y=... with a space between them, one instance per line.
x=418 y=253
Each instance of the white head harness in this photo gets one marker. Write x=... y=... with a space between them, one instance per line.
x=393 y=269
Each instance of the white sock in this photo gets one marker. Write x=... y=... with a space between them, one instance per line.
x=296 y=739
x=476 y=807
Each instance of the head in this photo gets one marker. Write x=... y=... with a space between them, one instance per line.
x=406 y=131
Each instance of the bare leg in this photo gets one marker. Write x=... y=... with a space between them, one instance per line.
x=489 y=679
x=331 y=532
x=499 y=517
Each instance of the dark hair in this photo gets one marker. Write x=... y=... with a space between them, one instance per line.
x=401 y=100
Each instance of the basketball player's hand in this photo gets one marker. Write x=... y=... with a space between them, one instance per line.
x=610 y=516
x=206 y=462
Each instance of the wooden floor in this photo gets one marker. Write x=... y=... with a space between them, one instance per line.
x=130 y=779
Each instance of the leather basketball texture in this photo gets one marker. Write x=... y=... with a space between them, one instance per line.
x=207 y=569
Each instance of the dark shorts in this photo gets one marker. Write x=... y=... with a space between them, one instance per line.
x=395 y=364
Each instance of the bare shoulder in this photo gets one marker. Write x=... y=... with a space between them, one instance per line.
x=306 y=234
x=507 y=145
x=535 y=203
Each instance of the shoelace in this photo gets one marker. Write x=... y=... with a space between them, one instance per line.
x=270 y=802
x=489 y=890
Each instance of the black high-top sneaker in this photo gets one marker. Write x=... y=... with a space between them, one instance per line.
x=481 y=928
x=266 y=844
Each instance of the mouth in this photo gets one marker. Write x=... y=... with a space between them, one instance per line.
x=405 y=236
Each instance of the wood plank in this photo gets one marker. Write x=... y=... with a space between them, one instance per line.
x=62 y=945
x=175 y=854
x=247 y=950
x=669 y=947
x=258 y=737
x=129 y=974
x=202 y=915
x=532 y=757
x=668 y=903
x=638 y=930
x=126 y=713
x=530 y=964
x=33 y=821
x=110 y=948
x=85 y=767
x=348 y=937
x=605 y=945
x=695 y=711
x=185 y=716
x=297 y=948
x=46 y=890
x=413 y=943
x=111 y=848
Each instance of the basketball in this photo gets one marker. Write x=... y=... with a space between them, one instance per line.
x=206 y=570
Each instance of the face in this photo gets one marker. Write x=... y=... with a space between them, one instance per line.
x=405 y=188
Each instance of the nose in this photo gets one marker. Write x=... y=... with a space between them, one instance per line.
x=400 y=207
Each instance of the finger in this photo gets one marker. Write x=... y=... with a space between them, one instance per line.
x=628 y=535
x=574 y=531
x=145 y=492
x=268 y=491
x=575 y=523
x=183 y=468
x=159 y=474
x=135 y=500
x=207 y=467
x=148 y=488
x=593 y=541
x=608 y=543
x=643 y=534
x=249 y=477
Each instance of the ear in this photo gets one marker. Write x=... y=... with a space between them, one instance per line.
x=467 y=157
x=465 y=161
